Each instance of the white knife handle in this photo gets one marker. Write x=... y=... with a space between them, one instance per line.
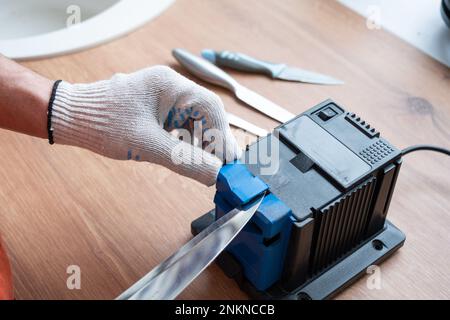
x=204 y=69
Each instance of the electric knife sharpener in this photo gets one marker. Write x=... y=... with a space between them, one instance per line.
x=323 y=220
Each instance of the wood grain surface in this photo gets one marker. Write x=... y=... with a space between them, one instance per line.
x=62 y=206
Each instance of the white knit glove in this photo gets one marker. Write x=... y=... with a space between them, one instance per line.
x=130 y=116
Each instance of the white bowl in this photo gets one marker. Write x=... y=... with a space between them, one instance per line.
x=38 y=29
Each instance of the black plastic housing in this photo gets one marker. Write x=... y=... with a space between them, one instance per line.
x=337 y=174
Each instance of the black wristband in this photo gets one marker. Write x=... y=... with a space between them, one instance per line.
x=49 y=111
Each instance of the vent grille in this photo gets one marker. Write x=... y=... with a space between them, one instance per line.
x=376 y=152
x=362 y=125
x=340 y=226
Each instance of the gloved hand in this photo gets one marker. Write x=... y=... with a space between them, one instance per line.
x=130 y=116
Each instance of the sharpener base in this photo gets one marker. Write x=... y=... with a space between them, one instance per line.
x=328 y=283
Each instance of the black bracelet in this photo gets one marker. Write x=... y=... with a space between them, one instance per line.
x=49 y=112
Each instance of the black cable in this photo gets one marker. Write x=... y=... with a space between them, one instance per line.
x=426 y=147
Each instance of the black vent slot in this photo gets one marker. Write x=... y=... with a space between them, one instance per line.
x=362 y=125
x=341 y=226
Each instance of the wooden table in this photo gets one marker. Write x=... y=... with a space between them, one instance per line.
x=61 y=206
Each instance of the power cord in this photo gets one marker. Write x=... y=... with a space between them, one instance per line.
x=425 y=147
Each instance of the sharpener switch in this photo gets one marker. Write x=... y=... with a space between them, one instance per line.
x=327 y=114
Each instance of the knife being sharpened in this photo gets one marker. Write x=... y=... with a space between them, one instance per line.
x=168 y=279
x=242 y=62
x=207 y=71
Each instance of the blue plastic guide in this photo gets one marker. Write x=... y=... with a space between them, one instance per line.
x=261 y=246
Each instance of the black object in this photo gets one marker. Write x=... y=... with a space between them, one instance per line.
x=445 y=11
x=337 y=175
x=50 y=111
x=327 y=114
x=425 y=147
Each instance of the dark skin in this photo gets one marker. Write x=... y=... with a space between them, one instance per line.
x=24 y=97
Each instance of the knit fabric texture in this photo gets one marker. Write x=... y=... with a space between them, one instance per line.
x=130 y=116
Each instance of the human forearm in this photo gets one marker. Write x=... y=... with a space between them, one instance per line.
x=128 y=116
x=24 y=97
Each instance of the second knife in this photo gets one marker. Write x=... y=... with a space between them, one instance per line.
x=239 y=61
x=212 y=74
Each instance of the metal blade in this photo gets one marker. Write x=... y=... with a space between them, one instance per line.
x=245 y=125
x=295 y=74
x=172 y=276
x=262 y=104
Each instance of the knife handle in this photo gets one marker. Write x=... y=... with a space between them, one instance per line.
x=242 y=62
x=204 y=69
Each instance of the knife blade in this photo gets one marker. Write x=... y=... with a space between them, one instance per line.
x=242 y=62
x=212 y=74
x=262 y=104
x=172 y=276
x=238 y=122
